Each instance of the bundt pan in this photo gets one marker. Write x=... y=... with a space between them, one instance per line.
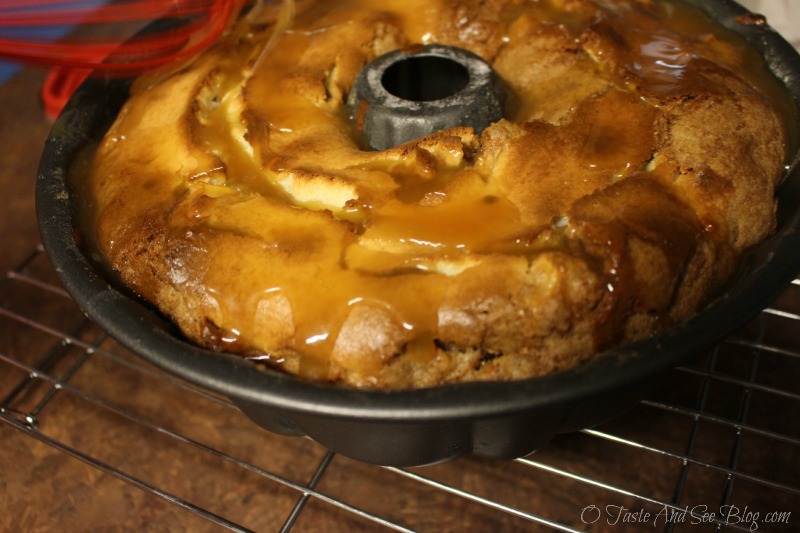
x=414 y=427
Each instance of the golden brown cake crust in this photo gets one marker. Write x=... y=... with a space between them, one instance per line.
x=633 y=166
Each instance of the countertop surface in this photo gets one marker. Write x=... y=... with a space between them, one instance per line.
x=94 y=439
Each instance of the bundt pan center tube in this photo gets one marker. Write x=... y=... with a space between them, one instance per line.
x=407 y=94
x=413 y=427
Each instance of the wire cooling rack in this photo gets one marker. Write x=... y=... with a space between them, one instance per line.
x=112 y=443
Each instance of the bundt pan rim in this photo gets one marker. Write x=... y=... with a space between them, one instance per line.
x=412 y=427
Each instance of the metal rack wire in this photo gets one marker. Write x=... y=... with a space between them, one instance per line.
x=717 y=448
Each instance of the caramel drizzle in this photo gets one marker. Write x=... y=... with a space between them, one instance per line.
x=421 y=217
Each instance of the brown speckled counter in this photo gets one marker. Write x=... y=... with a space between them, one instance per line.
x=94 y=439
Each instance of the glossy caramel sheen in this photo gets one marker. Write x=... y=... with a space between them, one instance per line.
x=234 y=192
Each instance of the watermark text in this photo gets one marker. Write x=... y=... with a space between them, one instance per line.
x=696 y=515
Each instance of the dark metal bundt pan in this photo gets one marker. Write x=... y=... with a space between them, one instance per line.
x=498 y=420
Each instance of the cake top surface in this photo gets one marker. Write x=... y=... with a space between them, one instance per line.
x=640 y=142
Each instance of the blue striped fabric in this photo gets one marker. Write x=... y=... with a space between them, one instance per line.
x=40 y=33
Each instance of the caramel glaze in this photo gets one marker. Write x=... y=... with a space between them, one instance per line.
x=635 y=163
